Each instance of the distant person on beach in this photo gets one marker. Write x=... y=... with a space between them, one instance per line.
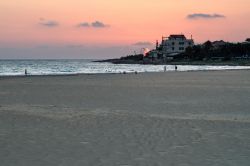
x=165 y=68
x=175 y=68
x=25 y=72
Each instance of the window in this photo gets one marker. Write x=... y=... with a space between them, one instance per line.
x=181 y=43
x=172 y=43
x=173 y=48
x=181 y=48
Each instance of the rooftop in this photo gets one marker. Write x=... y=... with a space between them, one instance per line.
x=174 y=36
x=177 y=36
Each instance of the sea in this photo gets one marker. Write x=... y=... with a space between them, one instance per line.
x=87 y=66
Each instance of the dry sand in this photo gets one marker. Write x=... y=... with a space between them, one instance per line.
x=173 y=118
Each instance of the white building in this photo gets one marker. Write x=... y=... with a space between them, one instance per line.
x=175 y=44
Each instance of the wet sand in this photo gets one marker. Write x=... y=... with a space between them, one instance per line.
x=172 y=118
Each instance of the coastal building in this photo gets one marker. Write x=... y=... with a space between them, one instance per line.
x=218 y=44
x=153 y=54
x=175 y=44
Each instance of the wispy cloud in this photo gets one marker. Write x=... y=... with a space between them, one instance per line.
x=83 y=24
x=96 y=24
x=143 y=43
x=48 y=23
x=204 y=16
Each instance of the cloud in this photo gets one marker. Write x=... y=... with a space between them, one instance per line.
x=48 y=23
x=84 y=24
x=204 y=16
x=96 y=24
x=143 y=43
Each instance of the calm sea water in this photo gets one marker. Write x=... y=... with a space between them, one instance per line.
x=57 y=67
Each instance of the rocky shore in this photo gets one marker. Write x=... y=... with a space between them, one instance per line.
x=177 y=62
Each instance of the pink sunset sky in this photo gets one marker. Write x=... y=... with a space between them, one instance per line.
x=113 y=28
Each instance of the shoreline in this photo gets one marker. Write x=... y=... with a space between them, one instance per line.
x=121 y=73
x=137 y=72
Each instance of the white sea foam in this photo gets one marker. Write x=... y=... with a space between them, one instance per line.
x=61 y=67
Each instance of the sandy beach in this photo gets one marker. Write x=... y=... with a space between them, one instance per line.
x=146 y=119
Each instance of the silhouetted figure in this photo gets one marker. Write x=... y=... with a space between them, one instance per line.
x=175 y=68
x=25 y=72
x=165 y=68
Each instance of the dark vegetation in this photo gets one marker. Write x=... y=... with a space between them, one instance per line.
x=204 y=54
x=225 y=52
x=137 y=57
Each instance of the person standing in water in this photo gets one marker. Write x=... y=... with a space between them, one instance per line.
x=175 y=67
x=25 y=72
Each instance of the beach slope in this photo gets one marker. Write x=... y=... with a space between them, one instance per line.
x=173 y=118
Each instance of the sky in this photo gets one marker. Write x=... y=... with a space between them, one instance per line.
x=99 y=29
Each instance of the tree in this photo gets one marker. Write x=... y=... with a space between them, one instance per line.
x=208 y=45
